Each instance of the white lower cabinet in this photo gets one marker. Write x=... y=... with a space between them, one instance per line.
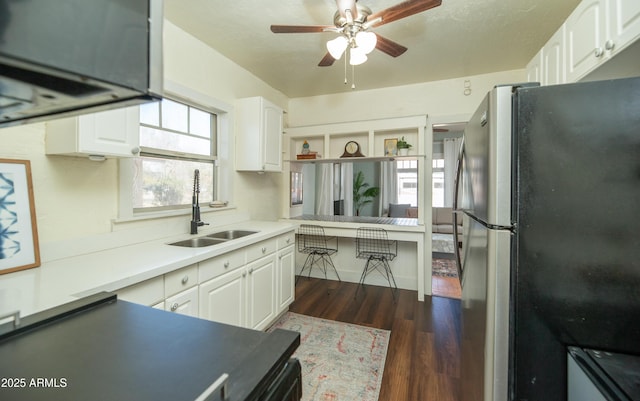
x=223 y=299
x=261 y=292
x=184 y=303
x=149 y=292
x=247 y=287
x=286 y=278
x=244 y=297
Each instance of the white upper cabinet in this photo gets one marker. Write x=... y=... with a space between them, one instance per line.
x=624 y=23
x=533 y=68
x=259 y=129
x=553 y=71
x=111 y=133
x=586 y=32
x=598 y=30
x=595 y=32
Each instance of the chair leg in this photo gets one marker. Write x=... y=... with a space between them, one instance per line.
x=374 y=263
x=387 y=268
x=308 y=263
x=330 y=263
x=315 y=258
x=362 y=276
x=389 y=273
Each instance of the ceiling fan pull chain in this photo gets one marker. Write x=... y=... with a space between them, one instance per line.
x=353 y=77
x=345 y=69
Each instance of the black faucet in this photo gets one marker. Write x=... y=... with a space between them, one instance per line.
x=195 y=204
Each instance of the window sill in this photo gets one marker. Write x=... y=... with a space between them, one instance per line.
x=170 y=213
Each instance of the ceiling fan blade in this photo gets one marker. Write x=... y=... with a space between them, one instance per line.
x=389 y=46
x=402 y=10
x=326 y=61
x=301 y=28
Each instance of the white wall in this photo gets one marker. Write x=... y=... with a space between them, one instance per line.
x=74 y=197
x=439 y=100
x=191 y=63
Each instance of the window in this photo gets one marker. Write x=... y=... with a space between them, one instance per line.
x=437 y=189
x=408 y=181
x=175 y=140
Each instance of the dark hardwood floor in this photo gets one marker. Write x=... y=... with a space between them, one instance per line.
x=423 y=356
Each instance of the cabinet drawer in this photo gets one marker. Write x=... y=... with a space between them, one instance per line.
x=180 y=280
x=148 y=292
x=214 y=267
x=286 y=239
x=261 y=249
x=184 y=303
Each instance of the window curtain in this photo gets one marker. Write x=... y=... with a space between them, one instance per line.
x=388 y=186
x=324 y=191
x=451 y=151
x=347 y=188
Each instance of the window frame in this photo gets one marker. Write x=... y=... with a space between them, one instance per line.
x=223 y=159
x=407 y=168
x=436 y=157
x=151 y=152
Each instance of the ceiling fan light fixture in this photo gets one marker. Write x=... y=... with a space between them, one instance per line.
x=357 y=56
x=337 y=46
x=366 y=41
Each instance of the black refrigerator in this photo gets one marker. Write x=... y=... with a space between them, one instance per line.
x=549 y=187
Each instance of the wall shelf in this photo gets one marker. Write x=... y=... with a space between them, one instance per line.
x=357 y=159
x=329 y=140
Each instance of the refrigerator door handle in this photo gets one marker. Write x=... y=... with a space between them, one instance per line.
x=455 y=209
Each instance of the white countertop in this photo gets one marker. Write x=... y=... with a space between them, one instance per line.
x=64 y=280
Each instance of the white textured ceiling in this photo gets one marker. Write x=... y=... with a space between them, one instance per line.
x=457 y=39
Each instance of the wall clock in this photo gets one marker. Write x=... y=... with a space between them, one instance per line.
x=352 y=149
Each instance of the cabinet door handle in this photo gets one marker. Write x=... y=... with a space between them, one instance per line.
x=251 y=271
x=288 y=240
x=610 y=44
x=16 y=318
x=598 y=52
x=135 y=150
x=174 y=307
x=185 y=279
x=219 y=384
x=244 y=274
x=264 y=250
x=226 y=264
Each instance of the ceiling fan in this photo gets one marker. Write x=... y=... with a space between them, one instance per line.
x=353 y=22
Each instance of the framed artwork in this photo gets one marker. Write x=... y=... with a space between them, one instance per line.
x=18 y=231
x=296 y=188
x=391 y=147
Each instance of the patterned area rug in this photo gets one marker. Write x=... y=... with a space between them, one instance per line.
x=444 y=268
x=340 y=361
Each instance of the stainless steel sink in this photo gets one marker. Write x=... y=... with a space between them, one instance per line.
x=198 y=242
x=212 y=239
x=230 y=234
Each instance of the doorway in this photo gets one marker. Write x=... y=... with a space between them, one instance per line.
x=446 y=141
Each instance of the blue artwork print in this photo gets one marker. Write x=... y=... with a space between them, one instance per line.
x=9 y=245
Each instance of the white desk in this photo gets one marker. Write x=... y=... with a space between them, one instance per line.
x=345 y=227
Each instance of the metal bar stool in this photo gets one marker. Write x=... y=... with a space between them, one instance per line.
x=319 y=247
x=374 y=245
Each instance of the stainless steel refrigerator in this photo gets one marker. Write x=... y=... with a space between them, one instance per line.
x=549 y=185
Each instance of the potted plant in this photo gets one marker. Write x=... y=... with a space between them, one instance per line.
x=362 y=193
x=403 y=147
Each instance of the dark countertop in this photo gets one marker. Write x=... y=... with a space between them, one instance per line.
x=104 y=349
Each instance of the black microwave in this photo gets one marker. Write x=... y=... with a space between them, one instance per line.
x=68 y=57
